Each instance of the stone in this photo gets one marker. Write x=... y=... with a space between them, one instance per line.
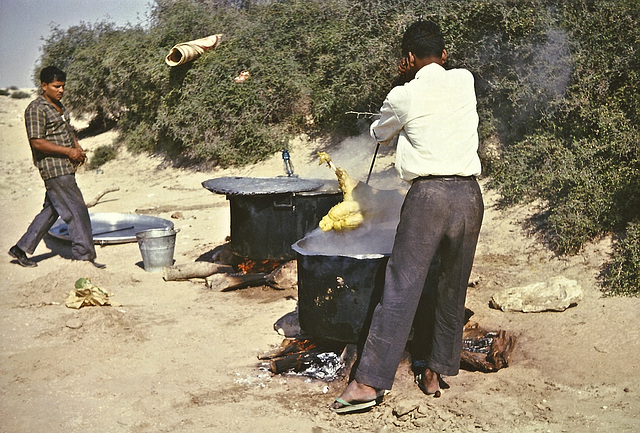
x=403 y=408
x=557 y=294
x=74 y=323
x=288 y=325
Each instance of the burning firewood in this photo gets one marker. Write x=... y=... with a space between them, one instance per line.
x=194 y=270
x=284 y=276
x=295 y=354
x=486 y=351
x=293 y=361
x=249 y=266
x=288 y=346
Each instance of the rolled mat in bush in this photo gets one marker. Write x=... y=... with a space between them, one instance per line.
x=188 y=51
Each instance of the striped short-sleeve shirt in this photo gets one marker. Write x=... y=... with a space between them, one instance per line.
x=44 y=121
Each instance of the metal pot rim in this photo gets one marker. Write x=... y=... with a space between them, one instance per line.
x=305 y=252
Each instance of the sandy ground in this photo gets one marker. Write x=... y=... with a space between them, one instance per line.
x=178 y=357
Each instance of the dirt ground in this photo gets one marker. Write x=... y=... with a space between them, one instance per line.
x=179 y=357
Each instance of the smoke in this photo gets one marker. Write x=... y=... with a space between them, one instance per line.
x=521 y=82
x=362 y=242
x=552 y=66
x=375 y=236
x=356 y=155
x=380 y=201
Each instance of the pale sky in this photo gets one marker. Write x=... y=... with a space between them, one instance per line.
x=25 y=23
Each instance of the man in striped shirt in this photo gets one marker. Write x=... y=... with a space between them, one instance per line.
x=56 y=154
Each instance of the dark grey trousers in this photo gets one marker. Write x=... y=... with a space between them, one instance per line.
x=63 y=198
x=441 y=215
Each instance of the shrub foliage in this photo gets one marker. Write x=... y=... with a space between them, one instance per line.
x=557 y=84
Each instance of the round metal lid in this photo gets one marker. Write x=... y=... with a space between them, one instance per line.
x=261 y=185
x=113 y=228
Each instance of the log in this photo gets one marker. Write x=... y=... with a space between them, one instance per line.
x=292 y=361
x=289 y=346
x=193 y=270
x=294 y=354
x=502 y=349
x=227 y=282
x=95 y=201
x=499 y=354
x=284 y=276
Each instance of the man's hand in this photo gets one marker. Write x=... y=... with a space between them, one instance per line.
x=77 y=155
x=403 y=67
x=406 y=68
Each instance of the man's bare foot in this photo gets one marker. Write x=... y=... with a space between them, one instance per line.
x=429 y=383
x=356 y=397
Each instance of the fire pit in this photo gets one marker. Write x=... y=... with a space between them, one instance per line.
x=269 y=214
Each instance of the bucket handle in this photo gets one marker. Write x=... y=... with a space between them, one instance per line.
x=172 y=230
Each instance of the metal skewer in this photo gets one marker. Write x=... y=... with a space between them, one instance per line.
x=375 y=154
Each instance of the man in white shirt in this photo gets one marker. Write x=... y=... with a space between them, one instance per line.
x=435 y=119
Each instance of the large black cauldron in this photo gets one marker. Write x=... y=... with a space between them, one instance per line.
x=338 y=284
x=268 y=215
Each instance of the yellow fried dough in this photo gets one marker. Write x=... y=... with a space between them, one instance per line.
x=346 y=214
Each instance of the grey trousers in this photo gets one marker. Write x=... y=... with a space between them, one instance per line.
x=441 y=215
x=63 y=198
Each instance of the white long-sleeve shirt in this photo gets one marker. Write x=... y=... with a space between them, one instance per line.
x=435 y=118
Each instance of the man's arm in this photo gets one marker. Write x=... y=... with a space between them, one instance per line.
x=389 y=125
x=75 y=154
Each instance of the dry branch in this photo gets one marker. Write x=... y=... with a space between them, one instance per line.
x=95 y=201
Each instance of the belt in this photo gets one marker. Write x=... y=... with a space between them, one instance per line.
x=453 y=178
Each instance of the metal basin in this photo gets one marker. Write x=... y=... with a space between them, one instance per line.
x=113 y=228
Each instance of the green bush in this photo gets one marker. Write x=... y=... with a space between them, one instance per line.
x=20 y=95
x=583 y=159
x=102 y=155
x=556 y=82
x=622 y=276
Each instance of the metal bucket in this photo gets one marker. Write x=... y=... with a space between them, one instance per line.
x=157 y=247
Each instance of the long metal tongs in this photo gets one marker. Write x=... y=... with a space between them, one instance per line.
x=373 y=161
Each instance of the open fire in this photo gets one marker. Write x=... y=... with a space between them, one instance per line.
x=249 y=266
x=328 y=360
x=319 y=359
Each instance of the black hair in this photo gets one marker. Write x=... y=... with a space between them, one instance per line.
x=423 y=39
x=51 y=74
